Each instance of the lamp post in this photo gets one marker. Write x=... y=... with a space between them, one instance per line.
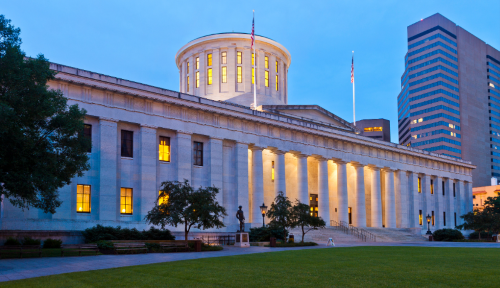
x=428 y=225
x=263 y=210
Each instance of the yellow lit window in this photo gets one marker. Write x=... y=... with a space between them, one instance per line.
x=253 y=75
x=209 y=76
x=316 y=199
x=266 y=73
x=253 y=59
x=312 y=209
x=420 y=219
x=277 y=83
x=433 y=223
x=368 y=129
x=432 y=186
x=276 y=66
x=187 y=66
x=197 y=63
x=377 y=129
x=224 y=58
x=187 y=84
x=224 y=74
x=266 y=62
x=209 y=59
x=239 y=75
x=316 y=209
x=197 y=79
x=272 y=171
x=310 y=198
x=126 y=200
x=83 y=198
x=419 y=180
x=165 y=149
x=238 y=57
x=163 y=199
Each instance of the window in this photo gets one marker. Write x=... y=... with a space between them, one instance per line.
x=419 y=185
x=266 y=73
x=209 y=76
x=272 y=171
x=454 y=194
x=223 y=58
x=433 y=222
x=432 y=186
x=163 y=199
x=276 y=66
x=187 y=67
x=165 y=149
x=198 y=153
x=373 y=129
x=444 y=218
x=197 y=79
x=127 y=143
x=187 y=83
x=83 y=198
x=368 y=129
x=420 y=219
x=238 y=57
x=197 y=63
x=266 y=62
x=209 y=59
x=240 y=78
x=349 y=211
x=442 y=186
x=253 y=75
x=87 y=132
x=277 y=83
x=455 y=216
x=126 y=200
x=253 y=59
x=224 y=74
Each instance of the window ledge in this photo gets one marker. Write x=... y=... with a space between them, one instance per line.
x=127 y=158
x=126 y=215
x=196 y=166
x=164 y=162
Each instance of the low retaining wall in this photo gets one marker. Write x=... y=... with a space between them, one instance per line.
x=68 y=237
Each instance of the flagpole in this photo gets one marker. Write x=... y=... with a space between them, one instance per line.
x=353 y=94
x=254 y=70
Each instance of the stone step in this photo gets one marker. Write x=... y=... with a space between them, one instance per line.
x=396 y=234
x=322 y=235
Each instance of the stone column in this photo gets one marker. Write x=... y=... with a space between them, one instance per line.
x=258 y=184
x=376 y=198
x=323 y=195
x=426 y=199
x=468 y=197
x=438 y=202
x=414 y=200
x=184 y=156
x=390 y=199
x=451 y=203
x=215 y=146
x=302 y=179
x=242 y=179
x=461 y=201
x=145 y=200
x=359 y=219
x=402 y=202
x=342 y=198
x=108 y=154
x=279 y=173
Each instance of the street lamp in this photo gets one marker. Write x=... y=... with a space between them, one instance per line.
x=263 y=210
x=428 y=225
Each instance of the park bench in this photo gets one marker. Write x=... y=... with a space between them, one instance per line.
x=175 y=246
x=80 y=248
x=23 y=249
x=139 y=247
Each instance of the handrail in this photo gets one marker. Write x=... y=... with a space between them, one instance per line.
x=350 y=229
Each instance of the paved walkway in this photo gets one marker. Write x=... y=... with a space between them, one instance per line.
x=15 y=269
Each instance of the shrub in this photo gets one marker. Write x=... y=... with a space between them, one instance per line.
x=31 y=241
x=261 y=234
x=52 y=243
x=153 y=247
x=106 y=245
x=484 y=235
x=447 y=235
x=296 y=244
x=99 y=232
x=157 y=234
x=11 y=242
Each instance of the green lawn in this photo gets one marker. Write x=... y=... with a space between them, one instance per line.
x=344 y=267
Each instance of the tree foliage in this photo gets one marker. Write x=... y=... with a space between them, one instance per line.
x=179 y=204
x=41 y=137
x=280 y=214
x=485 y=220
x=301 y=217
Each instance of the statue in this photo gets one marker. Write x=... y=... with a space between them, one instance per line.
x=241 y=218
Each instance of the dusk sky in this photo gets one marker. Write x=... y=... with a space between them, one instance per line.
x=137 y=40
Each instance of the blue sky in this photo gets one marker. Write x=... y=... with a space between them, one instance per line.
x=137 y=40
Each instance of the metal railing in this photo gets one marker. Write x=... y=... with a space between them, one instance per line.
x=358 y=232
x=218 y=240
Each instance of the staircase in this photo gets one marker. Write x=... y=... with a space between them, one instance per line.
x=396 y=235
x=322 y=235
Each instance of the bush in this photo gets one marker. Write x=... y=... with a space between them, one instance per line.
x=12 y=242
x=99 y=232
x=484 y=235
x=153 y=247
x=52 y=243
x=447 y=235
x=106 y=245
x=31 y=241
x=262 y=234
x=296 y=244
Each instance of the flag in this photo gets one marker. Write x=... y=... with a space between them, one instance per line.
x=253 y=32
x=352 y=70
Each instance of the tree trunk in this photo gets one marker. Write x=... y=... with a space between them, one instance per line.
x=303 y=234
x=186 y=231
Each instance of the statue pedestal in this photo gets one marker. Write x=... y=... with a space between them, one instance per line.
x=242 y=240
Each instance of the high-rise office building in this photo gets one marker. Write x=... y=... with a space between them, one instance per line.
x=450 y=95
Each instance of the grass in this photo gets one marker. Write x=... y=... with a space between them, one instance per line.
x=344 y=267
x=50 y=252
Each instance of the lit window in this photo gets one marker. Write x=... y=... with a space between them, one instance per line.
x=368 y=129
x=377 y=129
x=187 y=67
x=187 y=83
x=433 y=218
x=83 y=198
x=312 y=209
x=492 y=85
x=127 y=143
x=266 y=62
x=87 y=132
x=224 y=74
x=197 y=79
x=419 y=180
x=272 y=171
x=276 y=66
x=165 y=149
x=126 y=200
x=198 y=153
x=224 y=57
x=266 y=73
x=240 y=79
x=209 y=59
x=253 y=75
x=163 y=199
x=197 y=63
x=209 y=76
x=277 y=83
x=420 y=219
x=238 y=57
x=432 y=186
x=253 y=59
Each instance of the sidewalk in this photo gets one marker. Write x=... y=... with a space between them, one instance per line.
x=15 y=269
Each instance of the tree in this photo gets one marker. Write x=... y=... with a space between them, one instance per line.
x=280 y=213
x=487 y=219
x=178 y=203
x=302 y=217
x=42 y=141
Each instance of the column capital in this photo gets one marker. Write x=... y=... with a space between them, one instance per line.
x=388 y=169
x=338 y=161
x=256 y=148
x=357 y=164
x=300 y=155
x=374 y=167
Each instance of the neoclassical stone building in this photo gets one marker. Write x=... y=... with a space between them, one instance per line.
x=143 y=135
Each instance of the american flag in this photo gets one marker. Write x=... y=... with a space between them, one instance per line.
x=352 y=70
x=253 y=32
